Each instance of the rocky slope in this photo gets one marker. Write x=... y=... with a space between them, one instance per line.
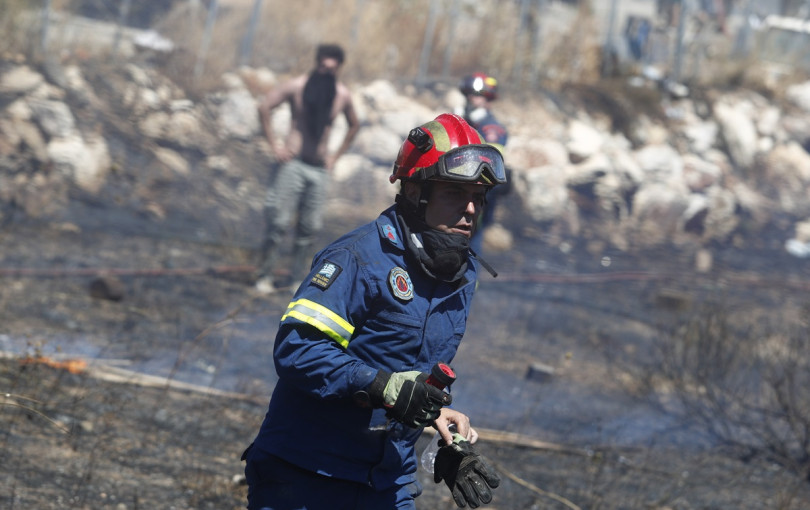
x=620 y=164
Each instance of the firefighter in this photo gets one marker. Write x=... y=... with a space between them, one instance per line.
x=380 y=307
x=480 y=90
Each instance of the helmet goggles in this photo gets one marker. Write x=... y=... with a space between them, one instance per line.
x=480 y=163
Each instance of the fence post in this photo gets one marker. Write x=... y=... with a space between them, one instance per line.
x=517 y=65
x=360 y=7
x=246 y=53
x=46 y=20
x=206 y=40
x=427 y=43
x=123 y=14
x=676 y=71
x=451 y=36
x=537 y=42
x=610 y=53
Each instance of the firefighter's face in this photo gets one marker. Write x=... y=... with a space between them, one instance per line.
x=454 y=207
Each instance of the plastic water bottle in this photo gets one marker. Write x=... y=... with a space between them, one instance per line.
x=429 y=454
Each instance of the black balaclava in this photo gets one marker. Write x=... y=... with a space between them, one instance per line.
x=442 y=255
x=319 y=94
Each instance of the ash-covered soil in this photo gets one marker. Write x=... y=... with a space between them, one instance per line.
x=80 y=441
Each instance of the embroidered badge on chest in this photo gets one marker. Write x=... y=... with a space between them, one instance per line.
x=327 y=274
x=400 y=282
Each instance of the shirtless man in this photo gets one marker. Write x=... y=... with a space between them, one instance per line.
x=300 y=188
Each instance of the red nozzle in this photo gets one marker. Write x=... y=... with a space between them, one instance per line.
x=441 y=375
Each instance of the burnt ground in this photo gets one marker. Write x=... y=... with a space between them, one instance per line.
x=179 y=369
x=175 y=368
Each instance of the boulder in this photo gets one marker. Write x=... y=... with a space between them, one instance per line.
x=20 y=80
x=85 y=162
x=799 y=95
x=583 y=141
x=739 y=132
x=543 y=192
x=54 y=118
x=658 y=214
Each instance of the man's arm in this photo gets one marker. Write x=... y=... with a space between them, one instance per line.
x=353 y=127
x=272 y=100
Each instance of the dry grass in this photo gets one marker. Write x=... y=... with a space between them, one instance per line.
x=386 y=39
x=392 y=40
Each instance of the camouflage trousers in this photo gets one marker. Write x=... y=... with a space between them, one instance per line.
x=298 y=193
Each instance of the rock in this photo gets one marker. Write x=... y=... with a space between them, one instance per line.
x=183 y=129
x=540 y=372
x=767 y=122
x=107 y=287
x=498 y=239
x=24 y=136
x=661 y=164
x=20 y=80
x=674 y=300
x=173 y=160
x=529 y=152
x=583 y=141
x=738 y=131
x=700 y=174
x=701 y=136
x=258 y=80
x=797 y=248
x=799 y=94
x=138 y=75
x=722 y=218
x=154 y=125
x=658 y=212
x=54 y=118
x=378 y=143
x=543 y=192
x=86 y=162
x=802 y=229
x=799 y=245
x=380 y=103
x=786 y=174
x=704 y=261
x=401 y=122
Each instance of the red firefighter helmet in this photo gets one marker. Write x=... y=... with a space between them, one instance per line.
x=481 y=84
x=449 y=149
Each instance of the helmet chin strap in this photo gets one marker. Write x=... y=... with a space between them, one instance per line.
x=441 y=255
x=484 y=263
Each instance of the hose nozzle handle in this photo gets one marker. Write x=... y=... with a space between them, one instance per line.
x=441 y=375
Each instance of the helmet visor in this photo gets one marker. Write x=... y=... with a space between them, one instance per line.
x=471 y=163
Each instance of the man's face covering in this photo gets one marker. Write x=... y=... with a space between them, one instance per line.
x=319 y=94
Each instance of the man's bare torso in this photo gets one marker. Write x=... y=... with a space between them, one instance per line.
x=299 y=141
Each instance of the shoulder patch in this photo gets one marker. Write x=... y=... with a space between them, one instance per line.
x=326 y=275
x=400 y=283
x=388 y=231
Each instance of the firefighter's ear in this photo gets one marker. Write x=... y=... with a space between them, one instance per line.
x=412 y=191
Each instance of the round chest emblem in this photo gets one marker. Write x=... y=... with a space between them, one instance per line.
x=400 y=282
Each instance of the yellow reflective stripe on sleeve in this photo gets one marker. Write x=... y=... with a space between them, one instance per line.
x=321 y=318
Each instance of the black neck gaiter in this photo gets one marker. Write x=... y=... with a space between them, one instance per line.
x=441 y=255
x=319 y=94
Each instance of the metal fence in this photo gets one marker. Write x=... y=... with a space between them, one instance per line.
x=527 y=37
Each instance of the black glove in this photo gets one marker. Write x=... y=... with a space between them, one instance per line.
x=407 y=397
x=465 y=472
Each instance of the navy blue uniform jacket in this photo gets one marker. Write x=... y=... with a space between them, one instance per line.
x=365 y=306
